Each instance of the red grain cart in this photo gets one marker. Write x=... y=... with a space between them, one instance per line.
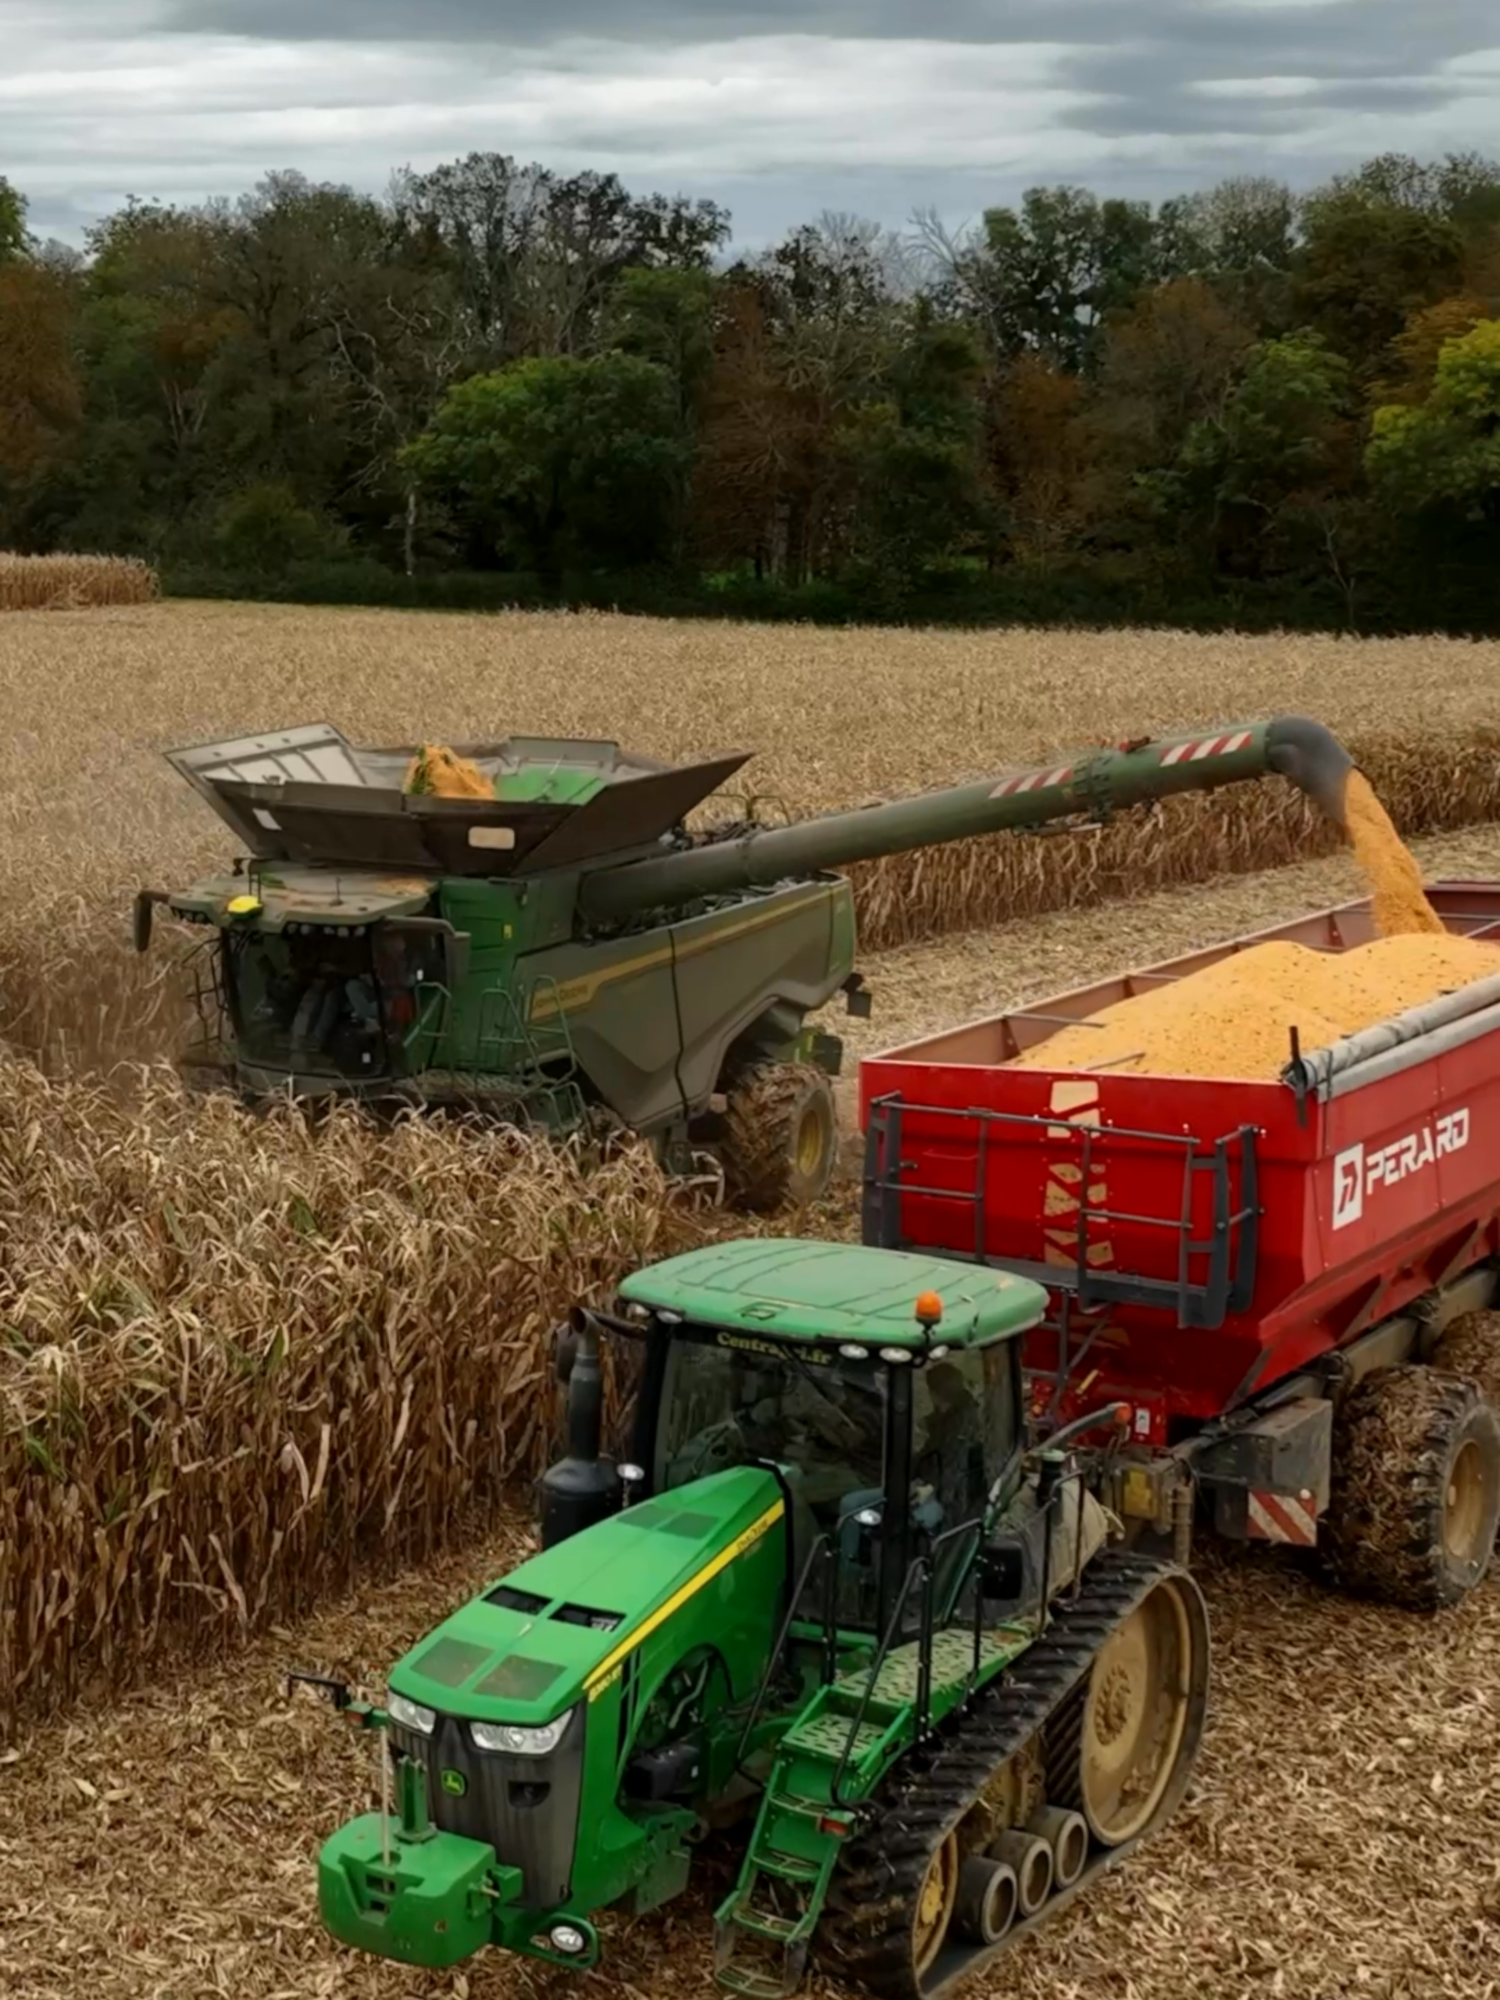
x=1260 y=1272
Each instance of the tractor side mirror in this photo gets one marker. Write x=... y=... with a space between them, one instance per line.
x=1002 y=1571
x=146 y=901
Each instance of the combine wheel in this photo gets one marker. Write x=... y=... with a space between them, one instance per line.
x=1415 y=1495
x=987 y=1899
x=781 y=1137
x=936 y=1898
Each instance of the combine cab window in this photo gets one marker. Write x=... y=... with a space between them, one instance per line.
x=318 y=1002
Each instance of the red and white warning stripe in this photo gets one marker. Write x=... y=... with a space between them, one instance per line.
x=1032 y=781
x=1283 y=1517
x=1206 y=746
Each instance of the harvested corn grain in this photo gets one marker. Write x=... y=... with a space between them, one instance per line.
x=1234 y=1018
x=437 y=773
x=1400 y=905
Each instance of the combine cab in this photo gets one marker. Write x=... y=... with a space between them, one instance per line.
x=1263 y=1272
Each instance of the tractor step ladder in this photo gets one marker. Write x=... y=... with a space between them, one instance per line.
x=761 y=1951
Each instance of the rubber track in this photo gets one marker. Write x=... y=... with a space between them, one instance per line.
x=865 y=1933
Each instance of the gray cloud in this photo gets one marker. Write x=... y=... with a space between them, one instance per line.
x=1143 y=65
x=1343 y=32
x=778 y=107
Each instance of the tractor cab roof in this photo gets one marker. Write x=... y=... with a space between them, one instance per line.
x=799 y=1290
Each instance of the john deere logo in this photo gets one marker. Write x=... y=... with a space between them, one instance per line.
x=455 y=1784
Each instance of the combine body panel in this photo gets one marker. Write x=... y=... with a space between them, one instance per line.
x=1208 y=1244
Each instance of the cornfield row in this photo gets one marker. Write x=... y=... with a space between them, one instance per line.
x=73 y=583
x=240 y=1358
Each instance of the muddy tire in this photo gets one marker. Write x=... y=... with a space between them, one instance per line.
x=1470 y=1348
x=780 y=1143
x=1415 y=1496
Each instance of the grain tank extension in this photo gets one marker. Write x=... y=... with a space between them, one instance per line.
x=567 y=950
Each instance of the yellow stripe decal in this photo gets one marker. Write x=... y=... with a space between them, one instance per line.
x=605 y=1672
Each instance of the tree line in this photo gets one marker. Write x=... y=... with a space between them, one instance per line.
x=498 y=380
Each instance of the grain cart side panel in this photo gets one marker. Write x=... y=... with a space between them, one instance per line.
x=1102 y=1182
x=1373 y=1187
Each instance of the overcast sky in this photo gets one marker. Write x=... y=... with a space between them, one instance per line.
x=780 y=108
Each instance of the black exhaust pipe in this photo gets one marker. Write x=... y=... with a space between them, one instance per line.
x=582 y=1488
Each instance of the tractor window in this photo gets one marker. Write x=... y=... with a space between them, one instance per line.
x=965 y=1427
x=825 y=1424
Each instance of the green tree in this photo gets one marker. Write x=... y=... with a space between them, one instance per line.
x=1257 y=484
x=1044 y=276
x=40 y=397
x=914 y=455
x=1462 y=187
x=14 y=240
x=1366 y=265
x=667 y=317
x=535 y=255
x=1446 y=450
x=560 y=458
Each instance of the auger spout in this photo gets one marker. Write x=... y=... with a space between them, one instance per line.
x=1091 y=782
x=1313 y=758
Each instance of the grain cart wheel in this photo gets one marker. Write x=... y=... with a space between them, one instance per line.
x=1415 y=1494
x=781 y=1137
x=1121 y=1753
x=1470 y=1347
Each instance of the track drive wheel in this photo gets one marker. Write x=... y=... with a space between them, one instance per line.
x=1123 y=1749
x=1415 y=1497
x=781 y=1137
x=1127 y=1664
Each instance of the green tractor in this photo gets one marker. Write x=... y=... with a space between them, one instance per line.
x=832 y=1595
x=559 y=948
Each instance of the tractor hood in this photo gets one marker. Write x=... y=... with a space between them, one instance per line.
x=269 y=899
x=555 y=1629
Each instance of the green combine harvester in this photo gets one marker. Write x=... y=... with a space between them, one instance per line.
x=566 y=952
x=832 y=1596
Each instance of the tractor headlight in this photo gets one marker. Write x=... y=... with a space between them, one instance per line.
x=411 y=1715
x=517 y=1739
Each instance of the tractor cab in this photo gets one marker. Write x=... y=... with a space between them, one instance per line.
x=881 y=1390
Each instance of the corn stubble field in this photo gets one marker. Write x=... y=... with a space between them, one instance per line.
x=250 y=1377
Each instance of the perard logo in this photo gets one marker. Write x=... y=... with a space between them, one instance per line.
x=1359 y=1172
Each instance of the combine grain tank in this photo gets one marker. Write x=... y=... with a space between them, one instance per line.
x=1262 y=1270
